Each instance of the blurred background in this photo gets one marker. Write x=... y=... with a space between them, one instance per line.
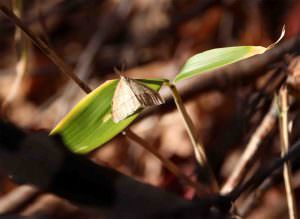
x=152 y=39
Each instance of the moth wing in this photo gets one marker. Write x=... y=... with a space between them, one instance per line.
x=145 y=95
x=124 y=102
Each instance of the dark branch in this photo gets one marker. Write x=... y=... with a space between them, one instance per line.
x=45 y=162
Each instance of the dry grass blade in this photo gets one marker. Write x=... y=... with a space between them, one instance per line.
x=199 y=151
x=284 y=143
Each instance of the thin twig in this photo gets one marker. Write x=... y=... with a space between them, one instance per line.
x=263 y=173
x=254 y=199
x=22 y=47
x=198 y=148
x=83 y=70
x=265 y=127
x=167 y=163
x=44 y=48
x=284 y=143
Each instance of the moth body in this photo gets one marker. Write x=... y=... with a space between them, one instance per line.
x=130 y=96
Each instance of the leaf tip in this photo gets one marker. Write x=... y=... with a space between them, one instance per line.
x=278 y=40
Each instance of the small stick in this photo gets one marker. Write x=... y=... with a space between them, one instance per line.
x=253 y=200
x=83 y=70
x=263 y=173
x=167 y=163
x=284 y=143
x=198 y=148
x=265 y=127
x=44 y=48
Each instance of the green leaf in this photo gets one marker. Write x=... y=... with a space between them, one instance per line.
x=89 y=124
x=216 y=58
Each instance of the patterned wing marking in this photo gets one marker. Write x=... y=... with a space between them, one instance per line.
x=145 y=95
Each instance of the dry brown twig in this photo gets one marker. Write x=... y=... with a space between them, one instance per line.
x=83 y=67
x=284 y=144
x=257 y=138
x=61 y=104
x=253 y=200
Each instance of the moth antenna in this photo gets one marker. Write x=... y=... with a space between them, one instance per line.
x=123 y=66
x=118 y=72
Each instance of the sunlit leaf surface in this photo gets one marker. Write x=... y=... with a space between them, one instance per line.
x=89 y=124
x=216 y=58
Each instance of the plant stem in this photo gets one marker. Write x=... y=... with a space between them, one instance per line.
x=198 y=148
x=284 y=143
x=167 y=163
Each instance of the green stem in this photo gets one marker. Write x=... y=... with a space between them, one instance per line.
x=198 y=148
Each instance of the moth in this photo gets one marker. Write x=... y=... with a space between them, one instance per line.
x=130 y=96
